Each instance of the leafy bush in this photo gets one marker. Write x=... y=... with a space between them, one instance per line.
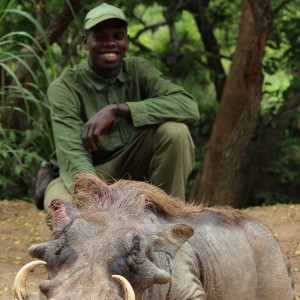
x=25 y=134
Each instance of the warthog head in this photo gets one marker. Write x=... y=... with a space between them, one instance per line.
x=109 y=232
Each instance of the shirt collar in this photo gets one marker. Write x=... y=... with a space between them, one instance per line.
x=99 y=82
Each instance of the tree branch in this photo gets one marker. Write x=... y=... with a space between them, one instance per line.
x=210 y=44
x=281 y=5
x=152 y=27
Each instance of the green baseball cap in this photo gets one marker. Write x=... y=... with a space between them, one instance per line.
x=101 y=13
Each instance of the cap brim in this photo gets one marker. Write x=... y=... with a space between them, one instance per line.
x=91 y=23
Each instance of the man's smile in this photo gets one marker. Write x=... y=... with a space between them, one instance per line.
x=109 y=55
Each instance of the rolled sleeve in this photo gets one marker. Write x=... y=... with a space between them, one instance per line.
x=163 y=100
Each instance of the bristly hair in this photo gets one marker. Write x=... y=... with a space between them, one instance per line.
x=93 y=194
x=61 y=215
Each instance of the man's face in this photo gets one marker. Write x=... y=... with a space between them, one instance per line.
x=107 y=43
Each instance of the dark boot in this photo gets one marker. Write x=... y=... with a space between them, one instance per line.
x=44 y=175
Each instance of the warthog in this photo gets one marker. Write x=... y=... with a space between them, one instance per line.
x=157 y=248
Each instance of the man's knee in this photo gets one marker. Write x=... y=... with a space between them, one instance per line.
x=173 y=159
x=176 y=135
x=173 y=131
x=56 y=190
x=173 y=141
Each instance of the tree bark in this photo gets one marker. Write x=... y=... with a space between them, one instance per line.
x=224 y=174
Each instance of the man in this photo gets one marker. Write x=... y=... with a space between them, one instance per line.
x=117 y=117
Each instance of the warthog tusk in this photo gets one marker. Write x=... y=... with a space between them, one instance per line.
x=20 y=279
x=128 y=290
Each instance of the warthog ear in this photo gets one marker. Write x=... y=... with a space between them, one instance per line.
x=172 y=238
x=62 y=213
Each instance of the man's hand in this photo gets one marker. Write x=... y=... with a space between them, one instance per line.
x=103 y=118
x=92 y=128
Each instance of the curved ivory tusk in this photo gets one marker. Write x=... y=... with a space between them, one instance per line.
x=20 y=279
x=128 y=290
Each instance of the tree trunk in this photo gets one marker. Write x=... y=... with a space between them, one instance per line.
x=224 y=175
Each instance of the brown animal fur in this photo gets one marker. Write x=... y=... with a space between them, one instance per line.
x=93 y=194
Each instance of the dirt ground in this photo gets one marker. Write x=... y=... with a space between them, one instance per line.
x=22 y=225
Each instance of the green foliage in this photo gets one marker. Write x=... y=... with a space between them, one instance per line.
x=279 y=179
x=273 y=198
x=287 y=165
x=284 y=37
x=26 y=138
x=15 y=164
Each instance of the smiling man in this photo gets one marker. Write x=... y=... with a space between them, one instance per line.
x=118 y=117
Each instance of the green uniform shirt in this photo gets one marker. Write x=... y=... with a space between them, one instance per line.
x=79 y=94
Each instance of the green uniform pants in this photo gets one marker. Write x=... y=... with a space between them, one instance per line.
x=162 y=155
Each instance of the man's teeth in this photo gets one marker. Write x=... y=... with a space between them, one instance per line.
x=110 y=55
